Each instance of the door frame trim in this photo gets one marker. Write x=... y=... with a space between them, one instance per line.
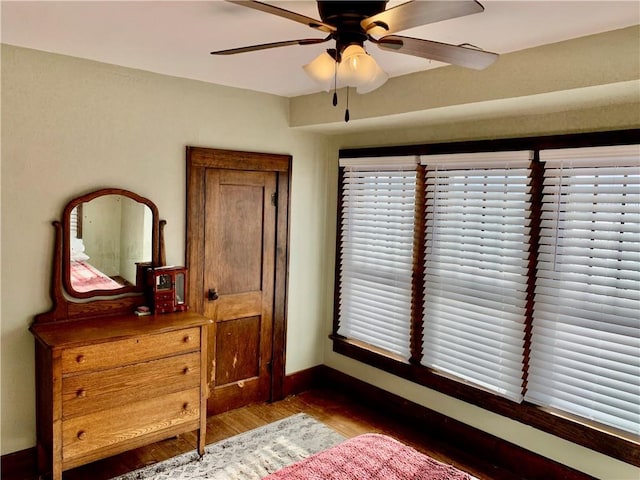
x=198 y=160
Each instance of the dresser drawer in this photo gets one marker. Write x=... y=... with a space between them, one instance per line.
x=131 y=350
x=101 y=430
x=106 y=389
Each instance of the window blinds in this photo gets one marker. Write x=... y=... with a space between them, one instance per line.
x=376 y=241
x=76 y=222
x=477 y=240
x=585 y=354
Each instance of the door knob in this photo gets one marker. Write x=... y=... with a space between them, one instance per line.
x=212 y=294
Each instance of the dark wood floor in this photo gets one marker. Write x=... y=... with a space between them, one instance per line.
x=338 y=411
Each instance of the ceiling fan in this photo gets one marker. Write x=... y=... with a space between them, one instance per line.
x=352 y=23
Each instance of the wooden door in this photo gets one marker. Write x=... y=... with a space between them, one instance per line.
x=233 y=234
x=239 y=255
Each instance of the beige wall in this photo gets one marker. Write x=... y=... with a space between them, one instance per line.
x=70 y=126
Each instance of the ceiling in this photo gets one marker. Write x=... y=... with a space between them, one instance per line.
x=175 y=37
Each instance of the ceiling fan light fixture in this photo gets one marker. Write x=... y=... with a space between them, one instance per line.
x=322 y=70
x=379 y=78
x=359 y=69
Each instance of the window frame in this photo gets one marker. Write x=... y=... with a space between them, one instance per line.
x=620 y=445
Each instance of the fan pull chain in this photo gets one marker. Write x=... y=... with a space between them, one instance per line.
x=335 y=84
x=346 y=112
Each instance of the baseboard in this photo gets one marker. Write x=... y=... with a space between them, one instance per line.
x=19 y=465
x=459 y=438
x=303 y=380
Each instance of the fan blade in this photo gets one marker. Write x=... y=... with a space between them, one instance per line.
x=442 y=52
x=281 y=12
x=416 y=13
x=264 y=46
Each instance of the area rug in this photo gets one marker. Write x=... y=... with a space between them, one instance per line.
x=247 y=456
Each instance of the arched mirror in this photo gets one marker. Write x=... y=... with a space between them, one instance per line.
x=110 y=237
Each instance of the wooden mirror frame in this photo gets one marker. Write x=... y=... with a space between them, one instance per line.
x=97 y=302
x=66 y=230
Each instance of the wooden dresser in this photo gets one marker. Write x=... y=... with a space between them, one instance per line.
x=108 y=380
x=109 y=384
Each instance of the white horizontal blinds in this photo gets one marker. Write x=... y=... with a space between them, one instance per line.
x=585 y=352
x=73 y=220
x=477 y=241
x=378 y=203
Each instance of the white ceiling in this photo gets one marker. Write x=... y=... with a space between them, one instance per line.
x=175 y=37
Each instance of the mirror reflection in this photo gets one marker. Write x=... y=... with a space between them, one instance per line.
x=108 y=235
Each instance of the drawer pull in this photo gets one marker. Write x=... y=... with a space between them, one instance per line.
x=81 y=393
x=185 y=406
x=186 y=370
x=186 y=339
x=80 y=359
x=82 y=435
